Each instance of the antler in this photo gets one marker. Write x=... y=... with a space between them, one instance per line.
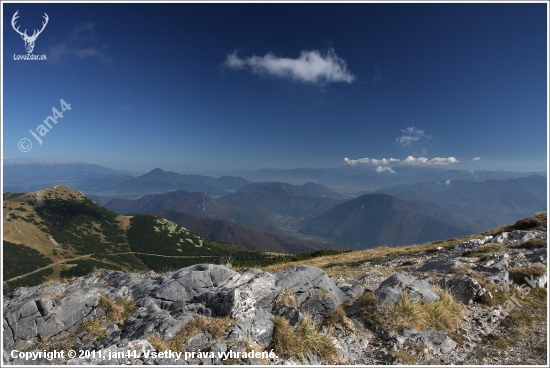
x=34 y=34
x=15 y=16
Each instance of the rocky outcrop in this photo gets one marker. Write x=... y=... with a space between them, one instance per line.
x=50 y=313
x=70 y=314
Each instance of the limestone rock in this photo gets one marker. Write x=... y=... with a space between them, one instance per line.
x=306 y=281
x=392 y=289
x=433 y=339
x=464 y=288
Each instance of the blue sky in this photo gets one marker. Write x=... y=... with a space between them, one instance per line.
x=218 y=87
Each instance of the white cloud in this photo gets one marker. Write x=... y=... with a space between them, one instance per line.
x=80 y=43
x=367 y=160
x=377 y=75
x=411 y=135
x=410 y=160
x=448 y=182
x=310 y=66
x=442 y=160
x=476 y=158
x=380 y=169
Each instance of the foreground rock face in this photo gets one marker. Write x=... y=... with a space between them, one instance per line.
x=61 y=316
x=164 y=304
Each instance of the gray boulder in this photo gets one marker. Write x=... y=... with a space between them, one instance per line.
x=394 y=287
x=464 y=288
x=192 y=281
x=352 y=291
x=150 y=320
x=291 y=314
x=260 y=285
x=306 y=281
x=258 y=329
x=502 y=278
x=30 y=319
x=319 y=307
x=236 y=304
x=472 y=244
x=515 y=237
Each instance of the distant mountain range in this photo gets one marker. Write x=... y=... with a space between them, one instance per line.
x=270 y=206
x=379 y=219
x=488 y=204
x=371 y=177
x=428 y=211
x=428 y=204
x=245 y=236
x=102 y=184
x=309 y=189
x=405 y=214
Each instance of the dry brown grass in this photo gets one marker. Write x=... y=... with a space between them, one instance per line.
x=285 y=297
x=445 y=314
x=94 y=328
x=346 y=264
x=117 y=311
x=519 y=274
x=216 y=326
x=484 y=250
x=531 y=244
x=296 y=344
x=158 y=343
x=520 y=321
x=405 y=357
x=339 y=322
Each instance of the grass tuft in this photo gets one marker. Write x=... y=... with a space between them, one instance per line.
x=531 y=244
x=407 y=313
x=117 y=311
x=216 y=326
x=158 y=343
x=94 y=328
x=338 y=321
x=285 y=297
x=296 y=344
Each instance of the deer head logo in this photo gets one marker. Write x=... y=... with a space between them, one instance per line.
x=29 y=40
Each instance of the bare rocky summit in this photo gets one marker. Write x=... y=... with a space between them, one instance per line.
x=481 y=301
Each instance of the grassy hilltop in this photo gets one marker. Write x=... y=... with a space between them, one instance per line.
x=58 y=233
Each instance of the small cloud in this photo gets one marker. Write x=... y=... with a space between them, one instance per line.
x=9 y=159
x=377 y=75
x=448 y=182
x=127 y=108
x=310 y=66
x=367 y=160
x=381 y=169
x=476 y=158
x=442 y=160
x=80 y=43
x=410 y=136
x=410 y=160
